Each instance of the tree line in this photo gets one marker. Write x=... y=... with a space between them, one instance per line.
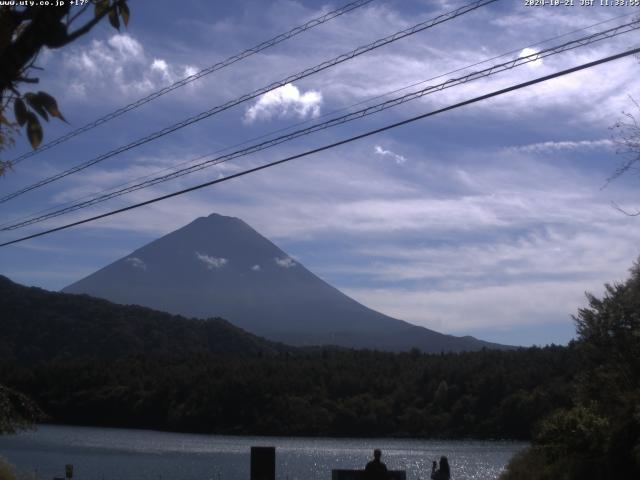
x=328 y=392
x=579 y=404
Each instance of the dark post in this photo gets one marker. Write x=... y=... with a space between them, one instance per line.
x=263 y=463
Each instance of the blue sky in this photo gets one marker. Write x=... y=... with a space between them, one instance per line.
x=490 y=220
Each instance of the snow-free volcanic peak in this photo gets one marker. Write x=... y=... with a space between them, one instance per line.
x=220 y=266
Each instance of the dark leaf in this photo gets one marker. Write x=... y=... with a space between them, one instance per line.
x=50 y=104
x=124 y=12
x=34 y=102
x=34 y=130
x=113 y=19
x=20 y=111
x=101 y=7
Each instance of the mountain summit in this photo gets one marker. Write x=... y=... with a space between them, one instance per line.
x=220 y=266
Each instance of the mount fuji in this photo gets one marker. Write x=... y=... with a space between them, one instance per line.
x=219 y=266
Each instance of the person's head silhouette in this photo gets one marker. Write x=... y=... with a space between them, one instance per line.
x=377 y=454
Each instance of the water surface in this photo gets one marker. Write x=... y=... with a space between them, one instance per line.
x=122 y=454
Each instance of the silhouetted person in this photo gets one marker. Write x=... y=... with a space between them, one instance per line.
x=442 y=473
x=375 y=469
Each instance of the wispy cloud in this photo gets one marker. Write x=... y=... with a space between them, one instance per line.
x=137 y=263
x=286 y=101
x=399 y=159
x=120 y=63
x=555 y=146
x=285 y=262
x=212 y=262
x=478 y=307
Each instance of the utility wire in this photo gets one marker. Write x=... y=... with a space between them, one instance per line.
x=336 y=144
x=599 y=36
x=191 y=78
x=304 y=122
x=298 y=124
x=305 y=73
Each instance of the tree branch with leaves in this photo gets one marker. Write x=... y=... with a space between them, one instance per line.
x=24 y=32
x=17 y=411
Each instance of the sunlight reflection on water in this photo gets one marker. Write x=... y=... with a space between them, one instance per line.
x=110 y=454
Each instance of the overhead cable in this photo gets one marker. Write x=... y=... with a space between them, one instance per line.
x=333 y=145
x=191 y=78
x=304 y=122
x=495 y=69
x=305 y=73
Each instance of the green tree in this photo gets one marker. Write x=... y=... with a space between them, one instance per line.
x=599 y=438
x=16 y=411
x=24 y=32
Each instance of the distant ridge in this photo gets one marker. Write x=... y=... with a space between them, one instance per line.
x=41 y=326
x=220 y=266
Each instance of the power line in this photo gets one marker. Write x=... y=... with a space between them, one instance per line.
x=335 y=144
x=200 y=157
x=304 y=122
x=305 y=73
x=498 y=68
x=324 y=115
x=191 y=78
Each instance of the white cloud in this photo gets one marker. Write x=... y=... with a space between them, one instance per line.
x=190 y=70
x=531 y=51
x=552 y=253
x=212 y=262
x=137 y=263
x=256 y=268
x=286 y=101
x=555 y=146
x=591 y=94
x=459 y=311
x=285 y=262
x=399 y=159
x=126 y=45
x=120 y=62
x=161 y=66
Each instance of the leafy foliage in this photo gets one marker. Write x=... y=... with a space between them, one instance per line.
x=599 y=438
x=24 y=31
x=16 y=411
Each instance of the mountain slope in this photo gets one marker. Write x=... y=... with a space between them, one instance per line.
x=219 y=266
x=38 y=325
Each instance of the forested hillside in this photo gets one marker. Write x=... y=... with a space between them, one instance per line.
x=88 y=361
x=355 y=393
x=38 y=325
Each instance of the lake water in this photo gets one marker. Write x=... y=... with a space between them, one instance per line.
x=120 y=454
